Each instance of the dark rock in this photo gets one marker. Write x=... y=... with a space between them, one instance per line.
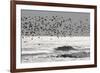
x=65 y=48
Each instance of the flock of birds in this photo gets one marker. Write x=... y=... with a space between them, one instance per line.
x=53 y=26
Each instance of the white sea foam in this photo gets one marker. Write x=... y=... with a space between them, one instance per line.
x=51 y=42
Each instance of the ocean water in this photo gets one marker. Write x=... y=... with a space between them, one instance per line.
x=44 y=49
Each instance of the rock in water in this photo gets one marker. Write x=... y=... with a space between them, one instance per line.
x=65 y=48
